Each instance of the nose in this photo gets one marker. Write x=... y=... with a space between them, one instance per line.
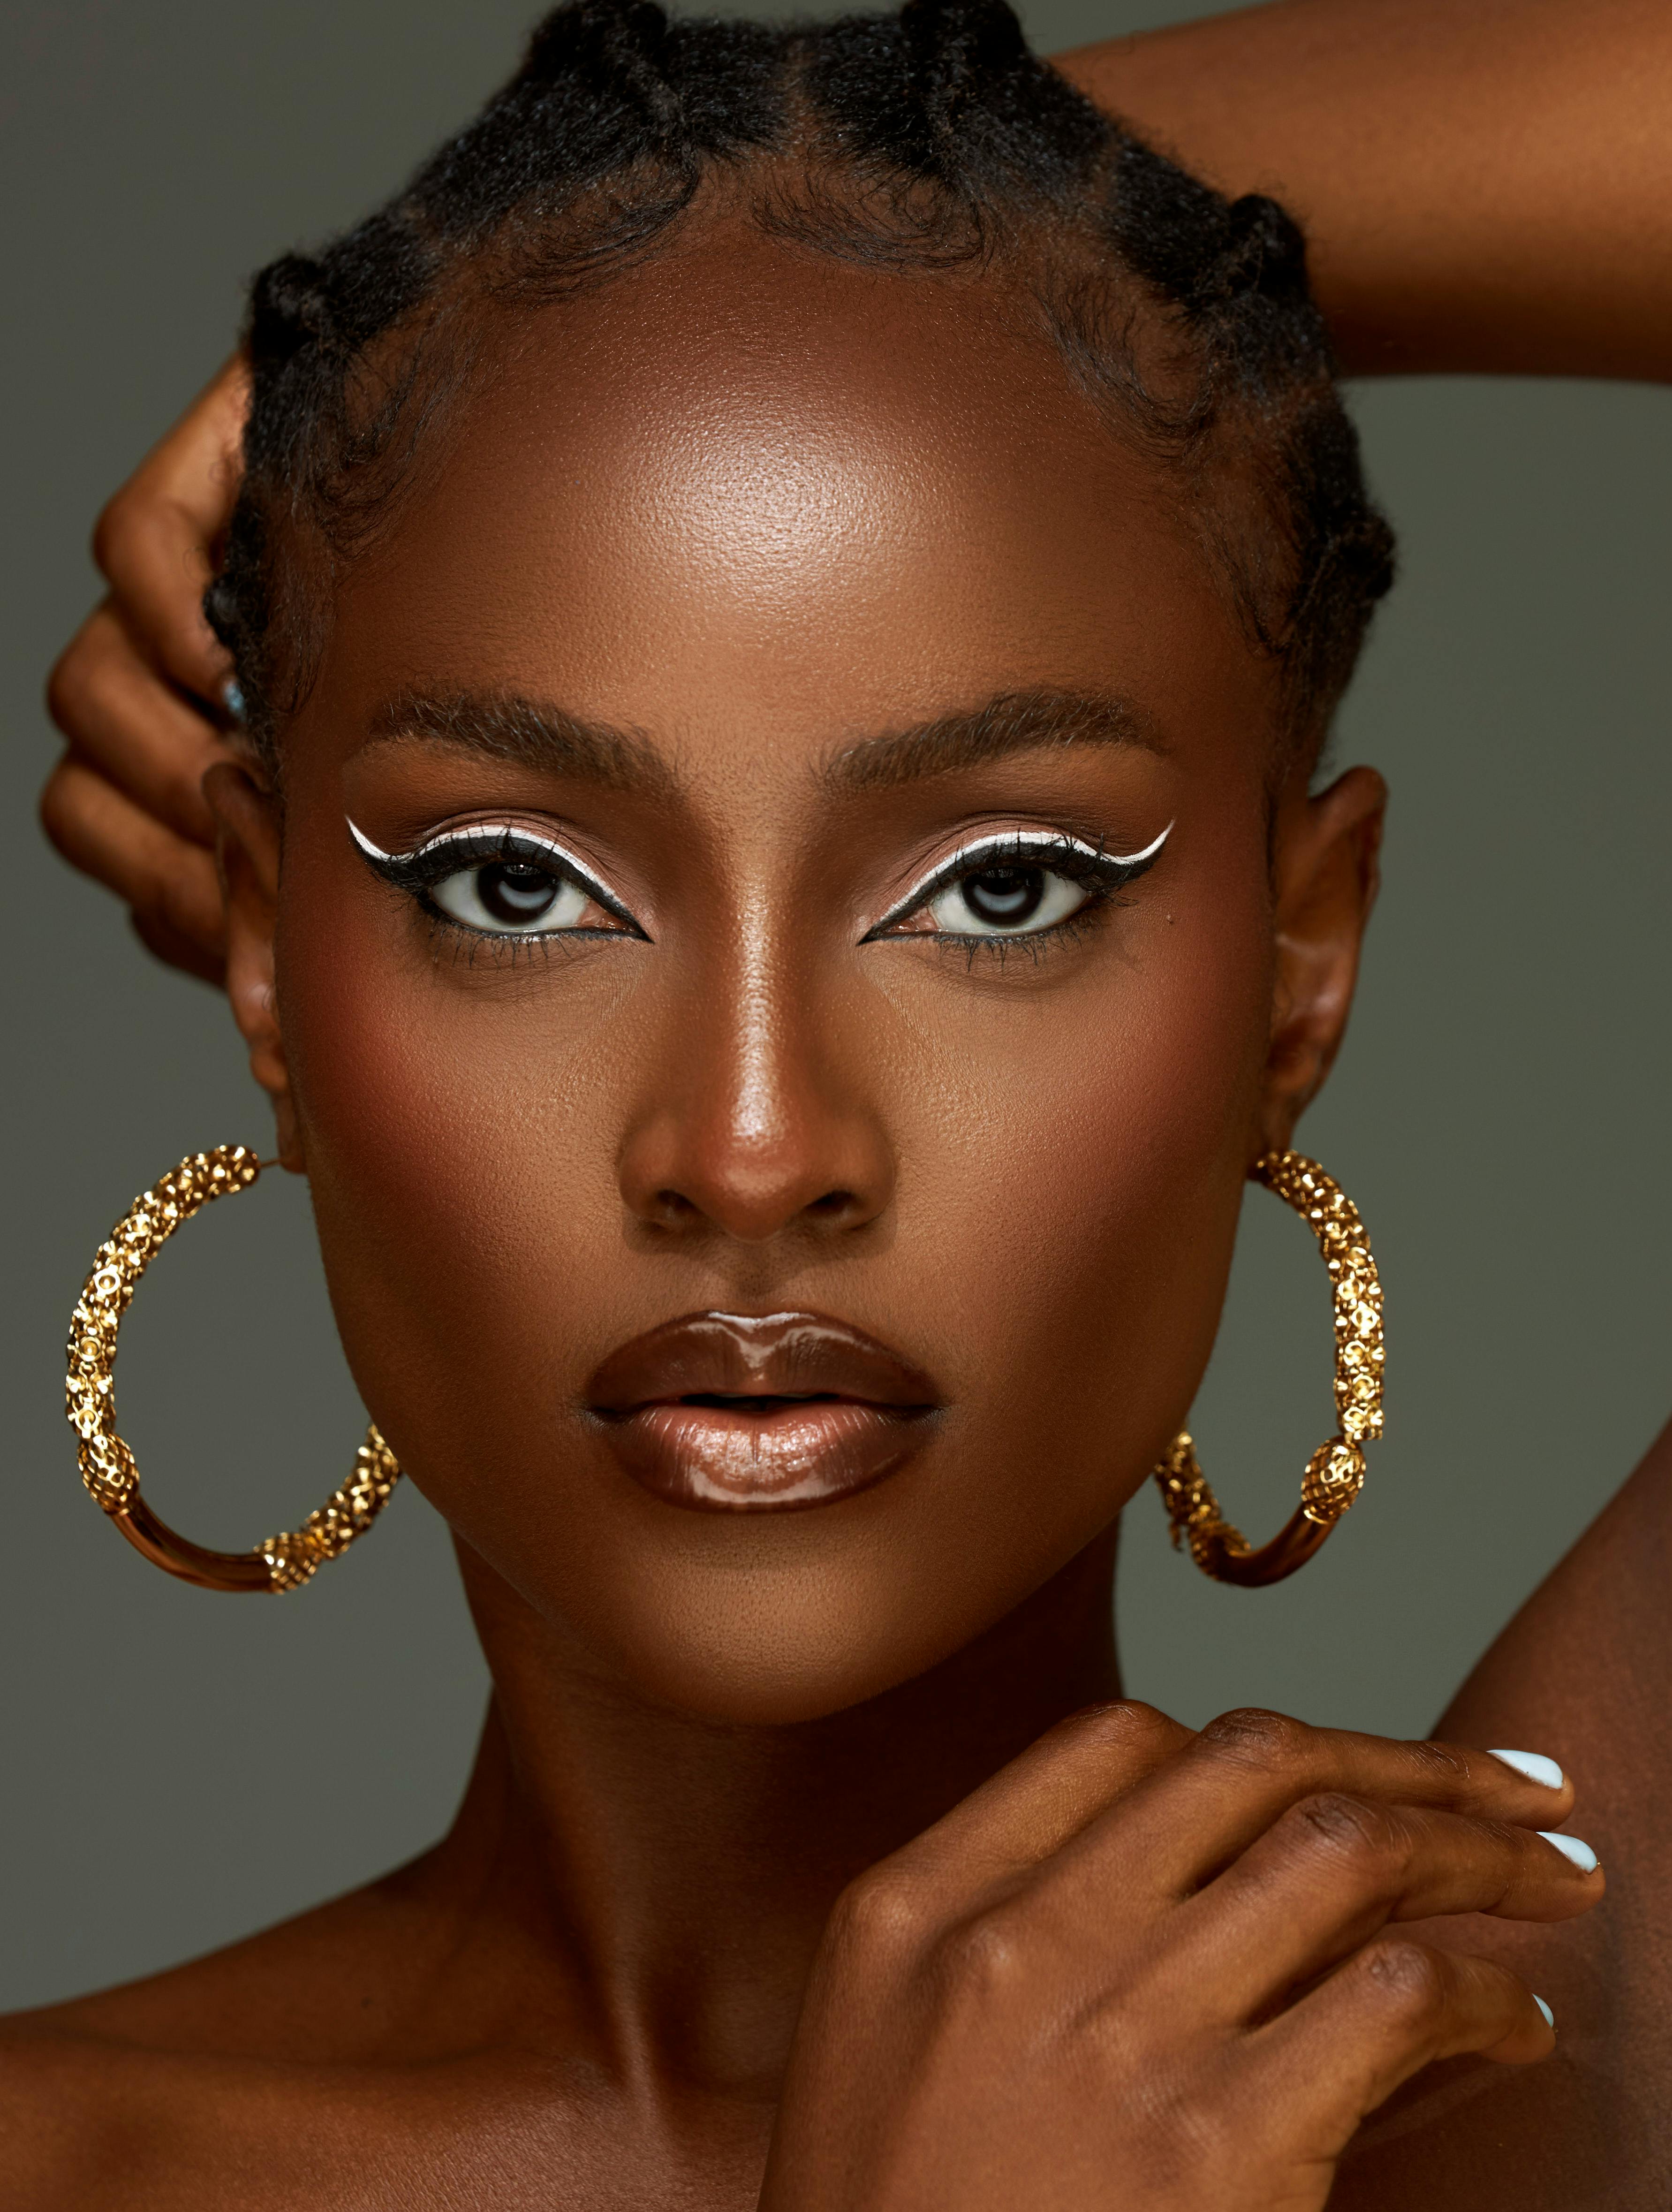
x=760 y=1117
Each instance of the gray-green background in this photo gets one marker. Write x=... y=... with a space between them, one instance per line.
x=178 y=1768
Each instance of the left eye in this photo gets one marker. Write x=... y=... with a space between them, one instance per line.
x=508 y=898
x=1008 y=900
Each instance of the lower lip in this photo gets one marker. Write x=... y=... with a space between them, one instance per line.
x=792 y=1457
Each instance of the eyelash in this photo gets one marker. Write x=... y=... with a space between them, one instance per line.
x=417 y=873
x=1102 y=875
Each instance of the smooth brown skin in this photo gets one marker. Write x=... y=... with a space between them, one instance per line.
x=1483 y=183
x=1090 y=1983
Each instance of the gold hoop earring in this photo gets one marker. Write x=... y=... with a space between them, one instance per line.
x=283 y=1562
x=1335 y=1474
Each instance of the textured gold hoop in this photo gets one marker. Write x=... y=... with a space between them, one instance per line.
x=283 y=1562
x=1335 y=1474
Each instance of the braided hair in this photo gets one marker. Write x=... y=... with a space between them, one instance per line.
x=929 y=141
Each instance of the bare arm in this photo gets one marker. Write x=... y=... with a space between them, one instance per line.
x=1581 y=1671
x=1486 y=183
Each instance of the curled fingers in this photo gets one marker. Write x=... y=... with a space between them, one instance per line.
x=1182 y=1826
x=1335 y=1870
x=154 y=539
x=133 y=726
x=170 y=882
x=1394 y=2007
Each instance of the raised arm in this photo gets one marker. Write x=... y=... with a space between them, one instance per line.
x=1487 y=185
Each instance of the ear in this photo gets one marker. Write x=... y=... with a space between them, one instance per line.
x=246 y=849
x=1325 y=878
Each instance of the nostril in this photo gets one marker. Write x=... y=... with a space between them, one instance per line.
x=673 y=1209
x=833 y=1205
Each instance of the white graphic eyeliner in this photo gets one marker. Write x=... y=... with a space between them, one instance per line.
x=372 y=852
x=474 y=845
x=1009 y=842
x=465 y=839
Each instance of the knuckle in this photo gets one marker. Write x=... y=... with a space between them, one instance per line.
x=1441 y=1764
x=984 y=1957
x=1364 y=1837
x=84 y=692
x=112 y=528
x=1255 y=1737
x=69 y=684
x=1406 y=1981
x=1123 y=1727
x=887 y=1912
x=59 y=808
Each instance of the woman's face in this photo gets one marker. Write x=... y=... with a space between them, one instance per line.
x=786 y=976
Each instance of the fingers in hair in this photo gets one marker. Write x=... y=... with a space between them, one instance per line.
x=154 y=540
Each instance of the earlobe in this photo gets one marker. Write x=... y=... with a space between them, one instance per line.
x=1325 y=880
x=246 y=820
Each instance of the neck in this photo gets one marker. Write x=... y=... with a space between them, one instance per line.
x=668 y=1878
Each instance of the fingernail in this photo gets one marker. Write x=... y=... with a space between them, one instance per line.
x=1571 y=1848
x=1549 y=2017
x=1534 y=1766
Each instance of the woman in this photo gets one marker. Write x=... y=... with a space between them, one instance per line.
x=826 y=537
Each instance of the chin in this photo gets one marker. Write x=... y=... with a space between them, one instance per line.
x=776 y=1619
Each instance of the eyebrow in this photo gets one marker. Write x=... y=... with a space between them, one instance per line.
x=532 y=733
x=1035 y=721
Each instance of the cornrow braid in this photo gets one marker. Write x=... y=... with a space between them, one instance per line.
x=932 y=140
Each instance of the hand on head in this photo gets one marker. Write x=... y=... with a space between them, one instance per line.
x=140 y=691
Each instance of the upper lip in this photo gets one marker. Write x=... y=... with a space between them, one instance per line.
x=755 y=1356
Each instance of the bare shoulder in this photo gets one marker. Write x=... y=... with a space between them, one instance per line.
x=1583 y=1674
x=162 y=2091
x=91 y=2124
x=50 y=2115
x=301 y=1990
x=86 y=2124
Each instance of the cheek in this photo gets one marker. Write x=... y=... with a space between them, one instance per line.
x=1080 y=1170
x=459 y=1147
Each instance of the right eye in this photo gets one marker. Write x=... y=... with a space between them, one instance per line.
x=517 y=898
x=499 y=880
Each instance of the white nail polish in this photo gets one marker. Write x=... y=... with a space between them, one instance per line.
x=1534 y=1766
x=1549 y=2017
x=1571 y=1848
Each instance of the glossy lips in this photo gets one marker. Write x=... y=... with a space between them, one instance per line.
x=746 y=1412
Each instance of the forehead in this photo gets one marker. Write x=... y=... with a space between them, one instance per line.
x=751 y=481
